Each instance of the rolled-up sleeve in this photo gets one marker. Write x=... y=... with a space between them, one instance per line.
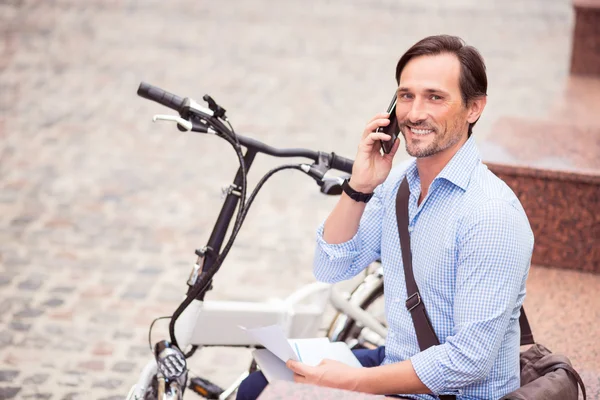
x=338 y=262
x=495 y=244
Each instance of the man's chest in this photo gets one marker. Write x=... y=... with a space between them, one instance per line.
x=434 y=232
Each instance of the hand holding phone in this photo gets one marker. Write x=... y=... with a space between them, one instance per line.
x=370 y=168
x=391 y=129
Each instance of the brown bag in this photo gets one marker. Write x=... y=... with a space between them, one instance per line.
x=544 y=376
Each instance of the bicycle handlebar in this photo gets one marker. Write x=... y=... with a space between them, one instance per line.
x=335 y=161
x=341 y=163
x=177 y=103
x=272 y=151
x=160 y=96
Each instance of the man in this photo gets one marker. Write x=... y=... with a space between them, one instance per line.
x=470 y=239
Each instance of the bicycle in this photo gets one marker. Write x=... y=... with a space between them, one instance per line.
x=166 y=375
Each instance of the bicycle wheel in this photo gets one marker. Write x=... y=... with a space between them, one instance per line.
x=368 y=295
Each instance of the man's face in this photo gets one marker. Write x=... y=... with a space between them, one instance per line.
x=430 y=111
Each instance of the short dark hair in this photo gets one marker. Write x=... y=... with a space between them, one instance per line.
x=473 y=78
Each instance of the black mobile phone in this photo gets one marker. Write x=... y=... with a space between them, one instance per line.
x=391 y=129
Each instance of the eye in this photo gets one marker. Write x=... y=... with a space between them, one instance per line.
x=405 y=96
x=435 y=97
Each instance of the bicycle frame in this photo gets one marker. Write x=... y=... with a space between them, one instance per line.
x=232 y=199
x=207 y=256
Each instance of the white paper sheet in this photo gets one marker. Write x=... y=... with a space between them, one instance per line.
x=312 y=351
x=278 y=349
x=272 y=367
x=273 y=339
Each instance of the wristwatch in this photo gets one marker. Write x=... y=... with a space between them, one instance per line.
x=353 y=194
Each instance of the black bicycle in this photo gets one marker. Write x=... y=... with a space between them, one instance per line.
x=167 y=376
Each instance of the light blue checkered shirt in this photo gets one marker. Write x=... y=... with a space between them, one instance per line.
x=471 y=247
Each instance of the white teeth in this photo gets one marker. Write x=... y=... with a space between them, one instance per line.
x=421 y=131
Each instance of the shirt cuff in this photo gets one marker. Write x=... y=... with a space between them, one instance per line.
x=428 y=370
x=351 y=248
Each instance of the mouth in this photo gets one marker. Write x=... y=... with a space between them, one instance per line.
x=419 y=131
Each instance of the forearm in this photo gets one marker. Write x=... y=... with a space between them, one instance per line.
x=391 y=379
x=342 y=224
x=349 y=240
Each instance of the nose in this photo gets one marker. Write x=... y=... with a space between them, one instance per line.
x=417 y=113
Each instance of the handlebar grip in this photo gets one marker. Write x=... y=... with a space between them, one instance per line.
x=160 y=96
x=341 y=163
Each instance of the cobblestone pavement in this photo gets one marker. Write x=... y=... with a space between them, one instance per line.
x=100 y=210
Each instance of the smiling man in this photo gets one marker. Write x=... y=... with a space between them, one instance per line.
x=470 y=239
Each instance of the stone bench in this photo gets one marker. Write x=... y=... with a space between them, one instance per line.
x=282 y=390
x=554 y=169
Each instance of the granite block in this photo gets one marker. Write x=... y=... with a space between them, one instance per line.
x=297 y=391
x=563 y=210
x=585 y=56
x=553 y=166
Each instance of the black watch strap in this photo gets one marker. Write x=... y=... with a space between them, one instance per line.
x=354 y=195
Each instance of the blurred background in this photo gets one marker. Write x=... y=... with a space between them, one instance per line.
x=101 y=210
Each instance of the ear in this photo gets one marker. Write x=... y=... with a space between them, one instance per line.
x=476 y=107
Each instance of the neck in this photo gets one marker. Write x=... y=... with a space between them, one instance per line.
x=430 y=167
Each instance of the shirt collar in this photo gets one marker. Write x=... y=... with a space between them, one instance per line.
x=458 y=170
x=412 y=176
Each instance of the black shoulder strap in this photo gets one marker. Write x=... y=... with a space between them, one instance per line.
x=425 y=334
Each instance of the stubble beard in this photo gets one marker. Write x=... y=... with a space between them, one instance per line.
x=437 y=145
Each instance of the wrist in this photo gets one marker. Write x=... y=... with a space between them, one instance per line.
x=361 y=187
x=363 y=381
x=354 y=194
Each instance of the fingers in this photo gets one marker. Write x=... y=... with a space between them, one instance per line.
x=376 y=123
x=301 y=371
x=300 y=379
x=298 y=367
x=373 y=138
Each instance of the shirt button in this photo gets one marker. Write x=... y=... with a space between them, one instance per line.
x=391 y=334
x=410 y=228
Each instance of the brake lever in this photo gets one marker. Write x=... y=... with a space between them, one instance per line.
x=187 y=125
x=331 y=185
